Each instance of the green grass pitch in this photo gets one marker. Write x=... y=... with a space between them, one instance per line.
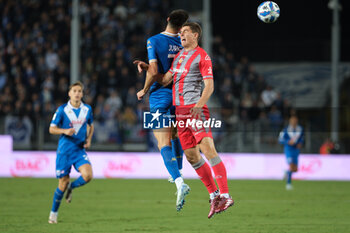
x=118 y=205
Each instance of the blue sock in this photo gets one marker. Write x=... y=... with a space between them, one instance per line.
x=289 y=177
x=170 y=162
x=57 y=197
x=177 y=151
x=78 y=182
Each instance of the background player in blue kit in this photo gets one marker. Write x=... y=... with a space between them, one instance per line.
x=292 y=137
x=162 y=49
x=73 y=121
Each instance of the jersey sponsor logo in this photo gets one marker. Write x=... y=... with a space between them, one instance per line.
x=182 y=70
x=74 y=122
x=174 y=48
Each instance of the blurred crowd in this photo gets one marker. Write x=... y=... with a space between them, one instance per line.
x=244 y=94
x=35 y=75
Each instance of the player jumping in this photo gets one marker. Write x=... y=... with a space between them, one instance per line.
x=73 y=121
x=191 y=67
x=161 y=50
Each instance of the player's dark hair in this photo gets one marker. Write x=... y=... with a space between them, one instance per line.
x=78 y=83
x=177 y=18
x=195 y=27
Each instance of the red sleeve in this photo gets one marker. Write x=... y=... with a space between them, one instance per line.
x=205 y=66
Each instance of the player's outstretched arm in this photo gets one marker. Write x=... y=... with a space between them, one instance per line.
x=56 y=130
x=89 y=135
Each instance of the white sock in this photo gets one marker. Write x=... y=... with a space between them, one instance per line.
x=225 y=195
x=214 y=194
x=179 y=181
x=53 y=213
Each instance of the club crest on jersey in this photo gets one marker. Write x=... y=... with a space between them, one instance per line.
x=181 y=60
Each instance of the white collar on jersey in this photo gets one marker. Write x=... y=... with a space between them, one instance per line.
x=169 y=34
x=71 y=106
x=292 y=129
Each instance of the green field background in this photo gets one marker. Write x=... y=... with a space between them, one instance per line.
x=119 y=205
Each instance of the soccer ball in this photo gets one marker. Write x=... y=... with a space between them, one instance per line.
x=268 y=12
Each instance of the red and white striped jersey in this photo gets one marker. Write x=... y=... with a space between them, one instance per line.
x=189 y=69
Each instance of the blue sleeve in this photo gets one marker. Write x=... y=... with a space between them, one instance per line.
x=57 y=118
x=151 y=50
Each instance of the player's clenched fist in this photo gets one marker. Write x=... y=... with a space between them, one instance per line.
x=69 y=131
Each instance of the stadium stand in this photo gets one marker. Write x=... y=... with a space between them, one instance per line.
x=34 y=77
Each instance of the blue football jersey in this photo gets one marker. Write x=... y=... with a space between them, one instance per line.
x=288 y=133
x=67 y=117
x=162 y=48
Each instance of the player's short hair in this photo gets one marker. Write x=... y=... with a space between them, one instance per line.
x=78 y=83
x=177 y=18
x=195 y=27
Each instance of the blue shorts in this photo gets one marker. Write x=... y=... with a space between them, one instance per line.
x=162 y=100
x=292 y=158
x=64 y=161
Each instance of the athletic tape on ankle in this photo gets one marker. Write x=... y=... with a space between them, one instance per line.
x=215 y=161
x=198 y=164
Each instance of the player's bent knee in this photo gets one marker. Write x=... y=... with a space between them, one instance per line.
x=87 y=177
x=208 y=149
x=191 y=159
x=86 y=172
x=192 y=156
